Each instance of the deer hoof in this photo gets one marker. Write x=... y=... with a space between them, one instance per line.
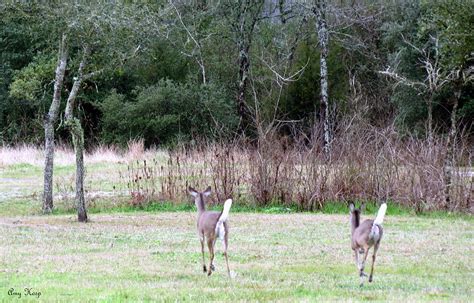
x=209 y=273
x=213 y=268
x=204 y=268
x=370 y=279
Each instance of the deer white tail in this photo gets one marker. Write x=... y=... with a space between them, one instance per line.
x=375 y=231
x=225 y=212
x=381 y=214
x=220 y=230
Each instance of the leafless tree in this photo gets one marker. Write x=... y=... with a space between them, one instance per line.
x=84 y=28
x=435 y=77
x=243 y=17
x=462 y=76
x=75 y=128
x=320 y=11
x=49 y=123
x=192 y=44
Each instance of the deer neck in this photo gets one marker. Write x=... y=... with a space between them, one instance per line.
x=355 y=221
x=200 y=204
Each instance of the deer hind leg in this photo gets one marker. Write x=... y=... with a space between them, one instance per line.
x=365 y=252
x=201 y=238
x=210 y=245
x=356 y=257
x=362 y=266
x=225 y=244
x=376 y=247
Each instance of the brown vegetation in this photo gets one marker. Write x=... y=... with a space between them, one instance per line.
x=366 y=163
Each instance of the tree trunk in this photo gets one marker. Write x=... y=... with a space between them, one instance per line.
x=48 y=164
x=49 y=122
x=247 y=14
x=323 y=37
x=77 y=133
x=430 y=119
x=244 y=65
x=78 y=142
x=451 y=144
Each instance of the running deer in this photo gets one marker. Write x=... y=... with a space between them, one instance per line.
x=210 y=226
x=364 y=236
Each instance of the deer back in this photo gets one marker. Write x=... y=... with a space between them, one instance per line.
x=207 y=222
x=362 y=234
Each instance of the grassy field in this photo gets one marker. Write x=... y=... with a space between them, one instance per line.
x=274 y=257
x=128 y=255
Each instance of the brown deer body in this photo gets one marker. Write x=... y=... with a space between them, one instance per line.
x=210 y=226
x=364 y=236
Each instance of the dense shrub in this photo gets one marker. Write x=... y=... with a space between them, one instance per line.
x=166 y=112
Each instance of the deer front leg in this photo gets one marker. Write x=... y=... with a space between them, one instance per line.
x=210 y=245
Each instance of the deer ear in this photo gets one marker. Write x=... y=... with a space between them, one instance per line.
x=351 y=206
x=362 y=207
x=192 y=191
x=207 y=192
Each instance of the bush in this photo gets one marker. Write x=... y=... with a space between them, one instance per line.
x=168 y=112
x=366 y=164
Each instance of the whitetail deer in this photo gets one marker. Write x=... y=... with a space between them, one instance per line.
x=364 y=236
x=210 y=226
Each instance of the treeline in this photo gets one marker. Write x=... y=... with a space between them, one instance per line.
x=174 y=71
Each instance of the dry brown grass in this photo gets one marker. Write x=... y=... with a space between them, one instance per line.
x=366 y=164
x=64 y=155
x=369 y=165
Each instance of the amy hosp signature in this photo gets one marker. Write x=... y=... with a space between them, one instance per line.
x=27 y=292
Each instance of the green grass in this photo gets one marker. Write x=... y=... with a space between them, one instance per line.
x=26 y=179
x=31 y=205
x=148 y=256
x=152 y=253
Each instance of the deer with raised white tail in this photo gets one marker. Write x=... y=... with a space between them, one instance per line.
x=210 y=226
x=364 y=236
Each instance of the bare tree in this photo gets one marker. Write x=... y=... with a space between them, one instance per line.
x=49 y=122
x=243 y=16
x=462 y=76
x=85 y=26
x=320 y=10
x=192 y=46
x=74 y=125
x=435 y=77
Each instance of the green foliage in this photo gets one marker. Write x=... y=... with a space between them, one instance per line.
x=443 y=29
x=137 y=46
x=303 y=96
x=166 y=112
x=452 y=21
x=467 y=110
x=402 y=26
x=28 y=83
x=20 y=39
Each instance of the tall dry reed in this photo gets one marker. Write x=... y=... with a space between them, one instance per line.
x=366 y=163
